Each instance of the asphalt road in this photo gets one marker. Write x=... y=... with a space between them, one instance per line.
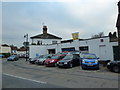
x=19 y=74
x=11 y=81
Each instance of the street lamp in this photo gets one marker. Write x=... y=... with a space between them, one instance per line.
x=26 y=43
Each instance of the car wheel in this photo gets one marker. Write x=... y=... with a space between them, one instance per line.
x=43 y=62
x=71 y=65
x=97 y=68
x=82 y=67
x=55 y=64
x=116 y=69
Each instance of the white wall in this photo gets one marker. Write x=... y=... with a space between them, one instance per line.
x=46 y=41
x=37 y=49
x=4 y=49
x=21 y=52
x=93 y=45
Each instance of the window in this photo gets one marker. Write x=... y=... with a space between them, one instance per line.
x=84 y=49
x=54 y=42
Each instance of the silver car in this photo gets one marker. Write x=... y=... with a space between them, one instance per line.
x=41 y=60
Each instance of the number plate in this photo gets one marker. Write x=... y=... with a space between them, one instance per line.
x=60 y=64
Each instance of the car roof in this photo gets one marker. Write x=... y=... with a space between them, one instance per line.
x=61 y=55
x=89 y=54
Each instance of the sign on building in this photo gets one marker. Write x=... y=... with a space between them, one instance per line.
x=75 y=36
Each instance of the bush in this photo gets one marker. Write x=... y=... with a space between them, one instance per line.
x=6 y=54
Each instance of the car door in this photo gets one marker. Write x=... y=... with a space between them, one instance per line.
x=78 y=60
x=60 y=58
x=75 y=60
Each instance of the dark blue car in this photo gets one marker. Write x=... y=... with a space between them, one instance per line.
x=90 y=61
x=12 y=58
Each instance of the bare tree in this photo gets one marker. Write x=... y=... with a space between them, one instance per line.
x=101 y=34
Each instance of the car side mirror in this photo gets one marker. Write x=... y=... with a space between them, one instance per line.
x=49 y=57
x=98 y=58
x=81 y=58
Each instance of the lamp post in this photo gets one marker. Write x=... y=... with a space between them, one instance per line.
x=26 y=43
x=118 y=27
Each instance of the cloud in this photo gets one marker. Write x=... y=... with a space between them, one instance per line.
x=62 y=18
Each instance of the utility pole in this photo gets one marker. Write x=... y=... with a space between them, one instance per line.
x=118 y=27
x=26 y=45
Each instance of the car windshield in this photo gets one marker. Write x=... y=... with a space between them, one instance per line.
x=89 y=56
x=54 y=57
x=68 y=57
x=41 y=58
x=12 y=56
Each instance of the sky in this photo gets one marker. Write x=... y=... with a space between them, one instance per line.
x=62 y=17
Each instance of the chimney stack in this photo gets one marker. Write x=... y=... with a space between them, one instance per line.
x=45 y=31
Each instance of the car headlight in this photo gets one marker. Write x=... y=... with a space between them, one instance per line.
x=65 y=62
x=51 y=61
x=83 y=61
x=96 y=61
x=108 y=63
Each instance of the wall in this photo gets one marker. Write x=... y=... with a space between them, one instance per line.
x=94 y=45
x=21 y=52
x=46 y=41
x=4 y=49
x=37 y=49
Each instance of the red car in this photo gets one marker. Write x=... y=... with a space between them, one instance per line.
x=54 y=59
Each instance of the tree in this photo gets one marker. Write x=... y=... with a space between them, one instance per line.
x=101 y=34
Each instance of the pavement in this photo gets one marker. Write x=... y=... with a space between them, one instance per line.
x=39 y=76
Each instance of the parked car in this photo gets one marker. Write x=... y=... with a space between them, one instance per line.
x=41 y=60
x=114 y=66
x=33 y=60
x=69 y=60
x=21 y=55
x=13 y=58
x=74 y=52
x=90 y=61
x=54 y=59
x=2 y=56
x=64 y=52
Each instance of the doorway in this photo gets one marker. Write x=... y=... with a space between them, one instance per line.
x=51 y=51
x=102 y=52
x=115 y=53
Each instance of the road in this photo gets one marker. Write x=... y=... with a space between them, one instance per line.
x=26 y=75
x=11 y=81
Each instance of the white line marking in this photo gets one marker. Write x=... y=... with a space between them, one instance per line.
x=25 y=78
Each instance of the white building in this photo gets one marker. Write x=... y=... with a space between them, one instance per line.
x=5 y=49
x=45 y=38
x=103 y=47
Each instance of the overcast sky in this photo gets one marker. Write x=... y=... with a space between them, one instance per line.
x=88 y=17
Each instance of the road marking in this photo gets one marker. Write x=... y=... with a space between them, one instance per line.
x=25 y=78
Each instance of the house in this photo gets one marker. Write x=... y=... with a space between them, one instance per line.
x=21 y=50
x=14 y=49
x=104 y=47
x=45 y=38
x=5 y=50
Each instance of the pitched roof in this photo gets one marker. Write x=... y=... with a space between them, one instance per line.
x=48 y=36
x=5 y=45
x=22 y=49
x=13 y=47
